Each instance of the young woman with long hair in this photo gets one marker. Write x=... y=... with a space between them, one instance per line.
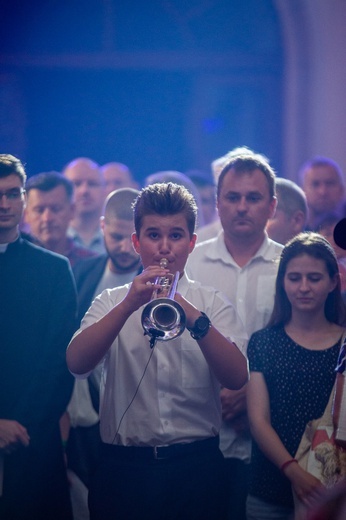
x=292 y=373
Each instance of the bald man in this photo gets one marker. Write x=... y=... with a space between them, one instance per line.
x=118 y=266
x=117 y=175
x=291 y=212
x=89 y=196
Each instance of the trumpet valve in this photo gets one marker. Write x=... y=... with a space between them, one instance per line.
x=163 y=263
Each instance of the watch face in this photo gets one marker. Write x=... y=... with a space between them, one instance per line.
x=202 y=323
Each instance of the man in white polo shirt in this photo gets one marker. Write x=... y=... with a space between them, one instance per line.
x=241 y=262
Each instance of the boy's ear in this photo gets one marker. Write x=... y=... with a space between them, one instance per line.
x=192 y=242
x=135 y=242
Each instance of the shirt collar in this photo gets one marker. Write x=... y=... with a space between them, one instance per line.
x=183 y=284
x=74 y=235
x=217 y=249
x=12 y=247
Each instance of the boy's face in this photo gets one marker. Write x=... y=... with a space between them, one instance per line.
x=164 y=237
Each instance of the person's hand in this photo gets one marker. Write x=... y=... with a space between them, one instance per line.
x=233 y=403
x=307 y=487
x=12 y=435
x=240 y=424
x=143 y=287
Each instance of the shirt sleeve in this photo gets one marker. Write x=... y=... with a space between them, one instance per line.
x=102 y=304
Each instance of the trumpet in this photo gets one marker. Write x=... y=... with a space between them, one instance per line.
x=163 y=318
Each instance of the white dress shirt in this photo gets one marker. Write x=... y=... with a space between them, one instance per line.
x=172 y=398
x=251 y=290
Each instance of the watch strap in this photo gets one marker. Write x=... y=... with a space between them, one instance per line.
x=196 y=332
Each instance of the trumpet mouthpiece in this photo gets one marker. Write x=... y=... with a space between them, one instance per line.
x=163 y=263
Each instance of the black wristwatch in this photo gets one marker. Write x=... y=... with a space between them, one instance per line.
x=200 y=327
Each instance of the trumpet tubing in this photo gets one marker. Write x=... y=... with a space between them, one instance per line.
x=163 y=318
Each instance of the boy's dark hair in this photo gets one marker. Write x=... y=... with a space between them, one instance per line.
x=47 y=181
x=11 y=165
x=165 y=199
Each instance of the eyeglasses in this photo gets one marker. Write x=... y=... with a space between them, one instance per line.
x=13 y=194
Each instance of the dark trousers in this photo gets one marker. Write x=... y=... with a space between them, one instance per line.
x=237 y=483
x=35 y=484
x=83 y=451
x=190 y=487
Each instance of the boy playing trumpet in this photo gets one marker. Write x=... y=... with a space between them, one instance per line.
x=160 y=408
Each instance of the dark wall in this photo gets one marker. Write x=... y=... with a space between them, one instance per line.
x=188 y=82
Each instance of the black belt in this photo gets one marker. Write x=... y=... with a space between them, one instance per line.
x=159 y=452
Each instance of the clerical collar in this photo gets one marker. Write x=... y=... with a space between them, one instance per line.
x=3 y=247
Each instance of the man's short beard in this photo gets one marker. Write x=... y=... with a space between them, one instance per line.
x=121 y=269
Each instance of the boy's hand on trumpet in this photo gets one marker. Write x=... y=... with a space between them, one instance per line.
x=143 y=286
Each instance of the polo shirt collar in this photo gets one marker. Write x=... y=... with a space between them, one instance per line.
x=217 y=250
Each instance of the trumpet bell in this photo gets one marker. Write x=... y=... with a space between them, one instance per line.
x=164 y=319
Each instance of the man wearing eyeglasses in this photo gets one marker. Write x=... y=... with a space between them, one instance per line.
x=8 y=212
x=37 y=319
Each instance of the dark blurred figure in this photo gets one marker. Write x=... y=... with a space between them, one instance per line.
x=38 y=317
x=339 y=238
x=326 y=229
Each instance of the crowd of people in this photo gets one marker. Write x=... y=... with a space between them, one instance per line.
x=108 y=413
